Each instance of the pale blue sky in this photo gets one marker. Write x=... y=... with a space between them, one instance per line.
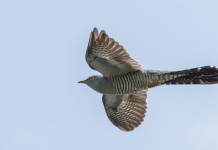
x=42 y=57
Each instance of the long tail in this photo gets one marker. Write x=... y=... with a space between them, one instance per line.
x=202 y=75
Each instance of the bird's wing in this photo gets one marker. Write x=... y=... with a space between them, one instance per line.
x=108 y=57
x=126 y=111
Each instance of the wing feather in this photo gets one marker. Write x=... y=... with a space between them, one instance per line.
x=126 y=111
x=105 y=55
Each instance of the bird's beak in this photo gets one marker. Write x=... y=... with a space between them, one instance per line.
x=82 y=81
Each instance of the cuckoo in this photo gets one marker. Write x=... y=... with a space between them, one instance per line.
x=124 y=84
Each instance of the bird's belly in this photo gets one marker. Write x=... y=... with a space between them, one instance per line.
x=129 y=83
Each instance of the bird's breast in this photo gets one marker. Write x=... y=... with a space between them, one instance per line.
x=129 y=83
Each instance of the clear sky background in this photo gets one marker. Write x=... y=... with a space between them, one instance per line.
x=42 y=58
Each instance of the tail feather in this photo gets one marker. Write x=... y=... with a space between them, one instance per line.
x=202 y=75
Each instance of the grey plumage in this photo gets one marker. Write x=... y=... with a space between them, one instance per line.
x=124 y=83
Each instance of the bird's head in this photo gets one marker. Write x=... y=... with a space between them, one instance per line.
x=99 y=84
x=91 y=80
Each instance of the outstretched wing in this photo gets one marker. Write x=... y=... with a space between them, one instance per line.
x=126 y=111
x=108 y=57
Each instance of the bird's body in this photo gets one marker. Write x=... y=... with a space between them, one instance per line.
x=124 y=83
x=132 y=82
x=128 y=83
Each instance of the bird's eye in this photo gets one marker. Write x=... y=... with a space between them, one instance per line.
x=91 y=78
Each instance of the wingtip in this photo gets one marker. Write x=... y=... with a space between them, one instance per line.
x=95 y=31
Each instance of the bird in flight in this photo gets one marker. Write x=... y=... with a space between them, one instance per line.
x=124 y=84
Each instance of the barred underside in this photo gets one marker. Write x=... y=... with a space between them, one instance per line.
x=129 y=83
